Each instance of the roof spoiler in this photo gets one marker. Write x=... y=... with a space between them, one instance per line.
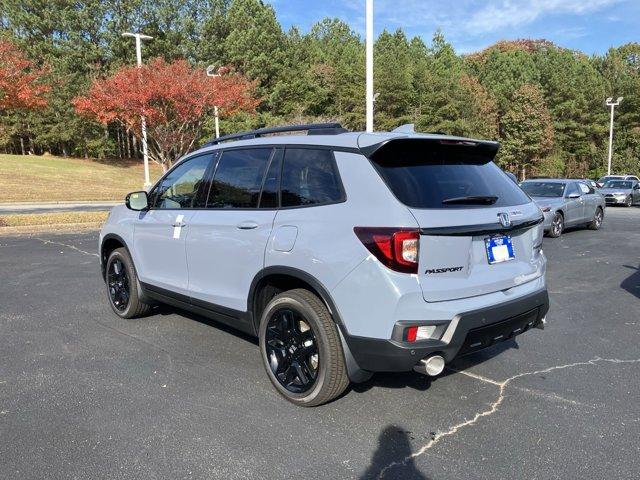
x=414 y=144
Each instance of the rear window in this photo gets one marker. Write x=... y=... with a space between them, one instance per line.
x=543 y=189
x=430 y=174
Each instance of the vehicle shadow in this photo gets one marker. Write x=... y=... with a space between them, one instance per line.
x=393 y=446
x=632 y=283
x=421 y=382
x=164 y=309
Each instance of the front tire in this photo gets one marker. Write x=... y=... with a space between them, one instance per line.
x=301 y=349
x=122 y=286
x=628 y=201
x=557 y=225
x=596 y=223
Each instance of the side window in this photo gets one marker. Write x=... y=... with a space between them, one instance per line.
x=238 y=178
x=183 y=185
x=585 y=189
x=309 y=177
x=571 y=189
x=269 y=197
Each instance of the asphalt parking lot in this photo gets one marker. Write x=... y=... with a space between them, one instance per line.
x=84 y=394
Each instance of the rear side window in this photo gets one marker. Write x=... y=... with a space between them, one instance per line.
x=238 y=178
x=309 y=177
x=432 y=174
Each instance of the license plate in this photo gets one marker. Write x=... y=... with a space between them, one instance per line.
x=499 y=249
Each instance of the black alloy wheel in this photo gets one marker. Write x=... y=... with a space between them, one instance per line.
x=292 y=350
x=118 y=284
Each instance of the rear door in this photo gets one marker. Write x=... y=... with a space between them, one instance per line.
x=227 y=239
x=459 y=198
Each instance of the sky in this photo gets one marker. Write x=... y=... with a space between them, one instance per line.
x=592 y=26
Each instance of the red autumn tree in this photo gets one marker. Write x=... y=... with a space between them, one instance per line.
x=21 y=84
x=175 y=98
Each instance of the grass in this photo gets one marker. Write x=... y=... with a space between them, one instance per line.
x=52 y=219
x=30 y=178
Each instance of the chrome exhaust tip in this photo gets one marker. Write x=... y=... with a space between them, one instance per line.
x=432 y=366
x=542 y=323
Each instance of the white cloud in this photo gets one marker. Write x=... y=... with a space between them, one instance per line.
x=515 y=13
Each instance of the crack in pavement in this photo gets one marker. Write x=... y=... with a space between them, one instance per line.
x=502 y=385
x=73 y=247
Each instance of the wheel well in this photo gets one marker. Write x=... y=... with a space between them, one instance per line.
x=272 y=285
x=560 y=212
x=108 y=246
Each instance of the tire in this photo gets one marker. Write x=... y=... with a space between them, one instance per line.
x=288 y=347
x=596 y=223
x=557 y=225
x=122 y=286
x=628 y=201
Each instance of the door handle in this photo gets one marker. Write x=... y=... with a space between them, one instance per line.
x=247 y=225
x=179 y=224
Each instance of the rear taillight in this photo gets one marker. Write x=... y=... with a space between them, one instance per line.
x=397 y=248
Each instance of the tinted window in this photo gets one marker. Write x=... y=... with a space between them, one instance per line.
x=238 y=178
x=182 y=187
x=543 y=189
x=434 y=175
x=269 y=197
x=618 y=184
x=309 y=178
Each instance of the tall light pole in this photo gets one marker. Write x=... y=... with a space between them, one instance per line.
x=612 y=104
x=212 y=72
x=369 y=63
x=143 y=122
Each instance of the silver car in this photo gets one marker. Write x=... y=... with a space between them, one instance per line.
x=566 y=203
x=621 y=192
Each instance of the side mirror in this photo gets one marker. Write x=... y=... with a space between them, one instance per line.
x=637 y=187
x=137 y=201
x=574 y=195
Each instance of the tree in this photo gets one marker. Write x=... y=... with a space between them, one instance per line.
x=176 y=99
x=528 y=132
x=21 y=83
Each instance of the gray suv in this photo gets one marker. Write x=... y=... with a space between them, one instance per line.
x=344 y=253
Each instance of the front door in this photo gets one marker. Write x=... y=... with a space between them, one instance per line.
x=575 y=206
x=227 y=240
x=160 y=232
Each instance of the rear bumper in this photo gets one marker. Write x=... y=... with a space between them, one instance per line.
x=467 y=333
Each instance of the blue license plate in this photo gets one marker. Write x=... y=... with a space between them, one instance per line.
x=499 y=249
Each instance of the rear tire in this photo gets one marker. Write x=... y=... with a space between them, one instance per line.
x=557 y=225
x=596 y=223
x=122 y=286
x=301 y=349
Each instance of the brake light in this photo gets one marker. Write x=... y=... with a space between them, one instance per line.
x=397 y=248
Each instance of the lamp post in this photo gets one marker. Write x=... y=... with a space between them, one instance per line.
x=369 y=63
x=612 y=104
x=143 y=122
x=212 y=72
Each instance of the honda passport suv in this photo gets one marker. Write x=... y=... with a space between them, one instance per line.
x=344 y=253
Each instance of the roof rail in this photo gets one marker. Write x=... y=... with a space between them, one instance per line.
x=310 y=128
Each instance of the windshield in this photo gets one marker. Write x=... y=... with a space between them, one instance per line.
x=617 y=184
x=437 y=175
x=543 y=189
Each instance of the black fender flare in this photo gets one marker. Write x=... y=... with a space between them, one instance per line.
x=355 y=373
x=112 y=236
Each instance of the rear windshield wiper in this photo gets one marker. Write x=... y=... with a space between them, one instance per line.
x=472 y=200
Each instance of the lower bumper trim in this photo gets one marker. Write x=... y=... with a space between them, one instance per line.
x=476 y=330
